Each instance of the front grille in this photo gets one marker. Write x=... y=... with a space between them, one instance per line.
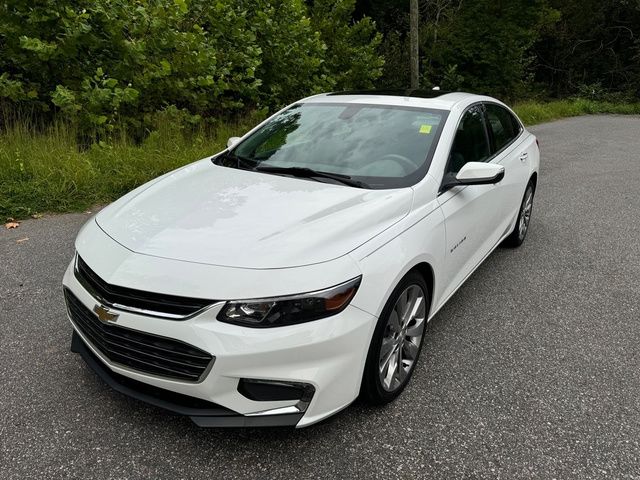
x=157 y=304
x=137 y=350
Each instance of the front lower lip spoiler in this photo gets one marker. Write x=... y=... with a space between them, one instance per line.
x=201 y=412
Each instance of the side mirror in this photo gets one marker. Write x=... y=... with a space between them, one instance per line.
x=476 y=173
x=233 y=141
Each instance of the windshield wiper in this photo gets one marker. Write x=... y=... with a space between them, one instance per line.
x=240 y=161
x=304 y=172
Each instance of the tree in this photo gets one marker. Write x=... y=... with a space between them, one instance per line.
x=484 y=45
x=593 y=49
x=480 y=45
x=351 y=59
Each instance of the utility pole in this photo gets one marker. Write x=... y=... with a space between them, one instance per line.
x=413 y=34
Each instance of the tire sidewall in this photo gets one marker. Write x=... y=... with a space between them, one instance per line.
x=524 y=198
x=514 y=240
x=372 y=390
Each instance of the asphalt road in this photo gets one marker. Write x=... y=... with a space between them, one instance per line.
x=530 y=371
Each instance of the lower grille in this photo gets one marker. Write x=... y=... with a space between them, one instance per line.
x=137 y=350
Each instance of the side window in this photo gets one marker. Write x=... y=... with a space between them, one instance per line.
x=471 y=143
x=517 y=127
x=503 y=125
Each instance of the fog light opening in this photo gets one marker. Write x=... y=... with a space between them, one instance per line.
x=260 y=390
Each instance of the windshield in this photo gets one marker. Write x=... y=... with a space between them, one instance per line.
x=380 y=146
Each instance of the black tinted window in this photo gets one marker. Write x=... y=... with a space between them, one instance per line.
x=503 y=125
x=471 y=143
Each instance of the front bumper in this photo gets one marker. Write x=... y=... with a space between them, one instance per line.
x=328 y=354
x=203 y=413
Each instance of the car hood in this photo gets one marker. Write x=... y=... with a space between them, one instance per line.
x=216 y=215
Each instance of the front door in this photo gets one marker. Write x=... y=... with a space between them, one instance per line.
x=472 y=213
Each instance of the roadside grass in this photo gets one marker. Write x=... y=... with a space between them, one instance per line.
x=533 y=112
x=46 y=171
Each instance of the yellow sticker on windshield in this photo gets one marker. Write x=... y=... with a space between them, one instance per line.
x=425 y=129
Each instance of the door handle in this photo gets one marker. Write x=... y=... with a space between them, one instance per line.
x=524 y=156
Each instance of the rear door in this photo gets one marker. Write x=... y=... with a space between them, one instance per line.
x=510 y=147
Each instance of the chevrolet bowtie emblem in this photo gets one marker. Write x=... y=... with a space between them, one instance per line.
x=104 y=314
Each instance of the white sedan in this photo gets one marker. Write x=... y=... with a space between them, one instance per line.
x=277 y=281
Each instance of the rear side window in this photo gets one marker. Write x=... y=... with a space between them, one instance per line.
x=504 y=126
x=471 y=143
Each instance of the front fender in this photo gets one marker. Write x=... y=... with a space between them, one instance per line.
x=420 y=239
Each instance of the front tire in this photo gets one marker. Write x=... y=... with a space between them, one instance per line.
x=397 y=341
x=516 y=238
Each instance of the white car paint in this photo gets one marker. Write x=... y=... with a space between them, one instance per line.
x=295 y=222
x=212 y=232
x=473 y=171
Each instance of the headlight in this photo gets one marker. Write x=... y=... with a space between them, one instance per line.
x=290 y=310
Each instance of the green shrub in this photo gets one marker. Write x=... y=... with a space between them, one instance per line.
x=113 y=63
x=351 y=58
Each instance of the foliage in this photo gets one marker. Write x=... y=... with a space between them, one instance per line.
x=594 y=43
x=108 y=63
x=352 y=59
x=481 y=45
x=292 y=52
x=486 y=45
x=516 y=48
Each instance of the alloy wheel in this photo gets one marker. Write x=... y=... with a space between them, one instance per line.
x=525 y=214
x=402 y=338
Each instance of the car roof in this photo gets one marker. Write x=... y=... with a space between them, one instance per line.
x=409 y=98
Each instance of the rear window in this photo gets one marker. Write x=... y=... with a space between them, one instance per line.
x=504 y=126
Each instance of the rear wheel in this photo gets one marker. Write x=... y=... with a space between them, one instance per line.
x=397 y=341
x=519 y=233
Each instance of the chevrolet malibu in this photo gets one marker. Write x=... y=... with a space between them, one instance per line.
x=278 y=280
